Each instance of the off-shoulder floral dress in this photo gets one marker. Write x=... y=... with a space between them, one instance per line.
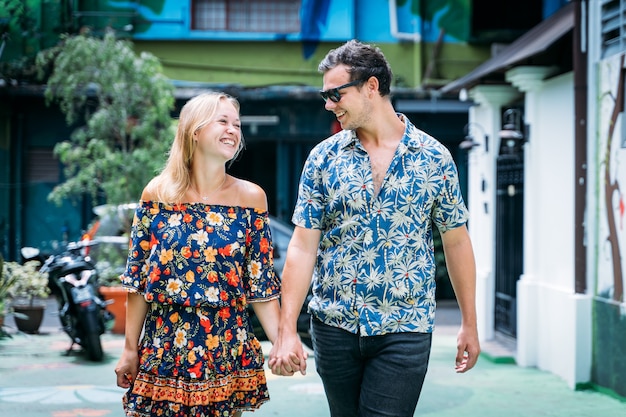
x=199 y=266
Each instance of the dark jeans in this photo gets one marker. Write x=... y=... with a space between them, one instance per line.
x=370 y=376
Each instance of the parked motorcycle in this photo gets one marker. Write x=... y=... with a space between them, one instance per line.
x=73 y=280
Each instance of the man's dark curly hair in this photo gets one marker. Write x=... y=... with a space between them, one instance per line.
x=364 y=61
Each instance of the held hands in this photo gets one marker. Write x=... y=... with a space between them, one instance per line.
x=288 y=356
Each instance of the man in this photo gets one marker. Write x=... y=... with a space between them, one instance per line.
x=368 y=199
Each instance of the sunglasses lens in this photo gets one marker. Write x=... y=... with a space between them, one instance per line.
x=332 y=95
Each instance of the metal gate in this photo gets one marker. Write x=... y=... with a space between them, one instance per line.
x=509 y=239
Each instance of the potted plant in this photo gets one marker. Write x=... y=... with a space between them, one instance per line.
x=6 y=282
x=110 y=232
x=110 y=260
x=28 y=287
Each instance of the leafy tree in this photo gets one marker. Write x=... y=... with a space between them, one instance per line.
x=17 y=28
x=119 y=104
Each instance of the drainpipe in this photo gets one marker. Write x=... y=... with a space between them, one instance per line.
x=580 y=138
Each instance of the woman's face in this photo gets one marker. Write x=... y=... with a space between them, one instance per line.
x=221 y=137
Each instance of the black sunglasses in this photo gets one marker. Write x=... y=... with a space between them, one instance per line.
x=333 y=93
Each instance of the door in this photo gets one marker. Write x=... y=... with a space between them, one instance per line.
x=509 y=237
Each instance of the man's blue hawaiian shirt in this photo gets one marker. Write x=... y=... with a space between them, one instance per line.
x=375 y=271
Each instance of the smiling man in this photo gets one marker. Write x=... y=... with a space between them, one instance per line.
x=369 y=197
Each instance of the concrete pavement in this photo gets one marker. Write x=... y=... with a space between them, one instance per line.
x=38 y=379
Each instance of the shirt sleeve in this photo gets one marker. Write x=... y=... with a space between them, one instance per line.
x=309 y=209
x=449 y=211
x=261 y=282
x=134 y=278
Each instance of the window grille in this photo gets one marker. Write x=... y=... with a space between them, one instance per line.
x=613 y=27
x=275 y=16
x=42 y=166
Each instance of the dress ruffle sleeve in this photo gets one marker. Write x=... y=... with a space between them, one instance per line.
x=135 y=276
x=261 y=282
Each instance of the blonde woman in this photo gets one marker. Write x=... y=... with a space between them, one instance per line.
x=200 y=251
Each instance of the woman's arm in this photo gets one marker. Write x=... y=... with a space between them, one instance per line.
x=128 y=365
x=268 y=313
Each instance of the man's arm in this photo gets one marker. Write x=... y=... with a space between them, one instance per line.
x=287 y=355
x=461 y=265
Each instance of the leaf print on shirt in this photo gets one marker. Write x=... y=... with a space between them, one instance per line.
x=381 y=247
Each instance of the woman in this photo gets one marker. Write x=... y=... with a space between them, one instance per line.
x=200 y=250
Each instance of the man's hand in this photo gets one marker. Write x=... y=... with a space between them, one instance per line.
x=468 y=349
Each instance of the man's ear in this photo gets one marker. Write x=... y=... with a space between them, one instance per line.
x=372 y=85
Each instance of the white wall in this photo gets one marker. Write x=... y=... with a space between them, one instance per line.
x=549 y=174
x=554 y=323
x=554 y=327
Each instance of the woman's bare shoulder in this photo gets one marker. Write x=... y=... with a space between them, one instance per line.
x=148 y=194
x=251 y=194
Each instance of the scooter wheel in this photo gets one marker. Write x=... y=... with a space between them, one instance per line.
x=93 y=347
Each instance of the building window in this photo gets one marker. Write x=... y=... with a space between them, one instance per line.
x=613 y=27
x=275 y=16
x=42 y=166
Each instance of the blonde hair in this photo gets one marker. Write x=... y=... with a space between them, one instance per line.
x=175 y=178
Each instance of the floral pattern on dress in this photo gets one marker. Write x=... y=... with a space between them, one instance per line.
x=199 y=266
x=375 y=272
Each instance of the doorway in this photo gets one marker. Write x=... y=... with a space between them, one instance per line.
x=509 y=235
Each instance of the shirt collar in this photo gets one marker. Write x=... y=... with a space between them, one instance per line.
x=412 y=139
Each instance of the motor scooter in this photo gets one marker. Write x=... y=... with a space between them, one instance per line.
x=73 y=280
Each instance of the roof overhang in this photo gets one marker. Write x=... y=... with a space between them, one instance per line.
x=533 y=42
